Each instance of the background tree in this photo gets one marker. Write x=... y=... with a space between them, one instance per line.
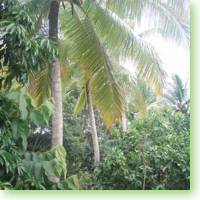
x=177 y=96
x=57 y=119
x=20 y=50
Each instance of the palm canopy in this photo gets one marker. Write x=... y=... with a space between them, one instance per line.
x=177 y=95
x=141 y=97
x=97 y=33
x=165 y=15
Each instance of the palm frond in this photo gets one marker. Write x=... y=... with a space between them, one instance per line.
x=164 y=16
x=177 y=89
x=39 y=86
x=108 y=97
x=121 y=41
x=180 y=9
x=88 y=52
x=142 y=97
x=176 y=95
x=81 y=102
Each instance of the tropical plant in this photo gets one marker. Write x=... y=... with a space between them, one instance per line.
x=141 y=98
x=94 y=33
x=16 y=115
x=166 y=153
x=79 y=60
x=176 y=95
x=20 y=49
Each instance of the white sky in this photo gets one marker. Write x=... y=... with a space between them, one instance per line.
x=176 y=58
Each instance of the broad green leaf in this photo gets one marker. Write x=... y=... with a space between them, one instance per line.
x=36 y=117
x=23 y=106
x=49 y=168
x=81 y=102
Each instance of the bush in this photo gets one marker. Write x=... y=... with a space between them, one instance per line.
x=153 y=155
x=20 y=169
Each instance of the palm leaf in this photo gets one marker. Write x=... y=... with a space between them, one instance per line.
x=81 y=102
x=121 y=41
x=39 y=86
x=176 y=94
x=142 y=97
x=88 y=52
x=163 y=15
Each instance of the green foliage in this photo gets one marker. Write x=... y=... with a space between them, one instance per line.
x=162 y=139
x=39 y=167
x=154 y=154
x=141 y=98
x=21 y=50
x=153 y=144
x=89 y=53
x=13 y=116
x=49 y=163
x=5 y=185
x=81 y=102
x=73 y=182
x=18 y=167
x=163 y=14
x=122 y=41
x=76 y=136
x=177 y=96
x=13 y=131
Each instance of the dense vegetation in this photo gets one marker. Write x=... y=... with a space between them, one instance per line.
x=155 y=148
x=158 y=144
x=71 y=117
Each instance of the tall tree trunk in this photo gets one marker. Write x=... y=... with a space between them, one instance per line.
x=92 y=124
x=124 y=123
x=57 y=119
x=143 y=153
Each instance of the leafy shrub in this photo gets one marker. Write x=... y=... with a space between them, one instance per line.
x=21 y=49
x=20 y=169
x=153 y=155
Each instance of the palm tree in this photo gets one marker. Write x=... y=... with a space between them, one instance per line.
x=92 y=124
x=176 y=95
x=57 y=119
x=96 y=32
x=86 y=97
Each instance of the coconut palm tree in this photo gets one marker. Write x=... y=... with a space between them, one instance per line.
x=95 y=140
x=93 y=34
x=177 y=96
x=57 y=119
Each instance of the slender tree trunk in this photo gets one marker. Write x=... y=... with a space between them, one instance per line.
x=124 y=123
x=92 y=124
x=57 y=119
x=144 y=160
